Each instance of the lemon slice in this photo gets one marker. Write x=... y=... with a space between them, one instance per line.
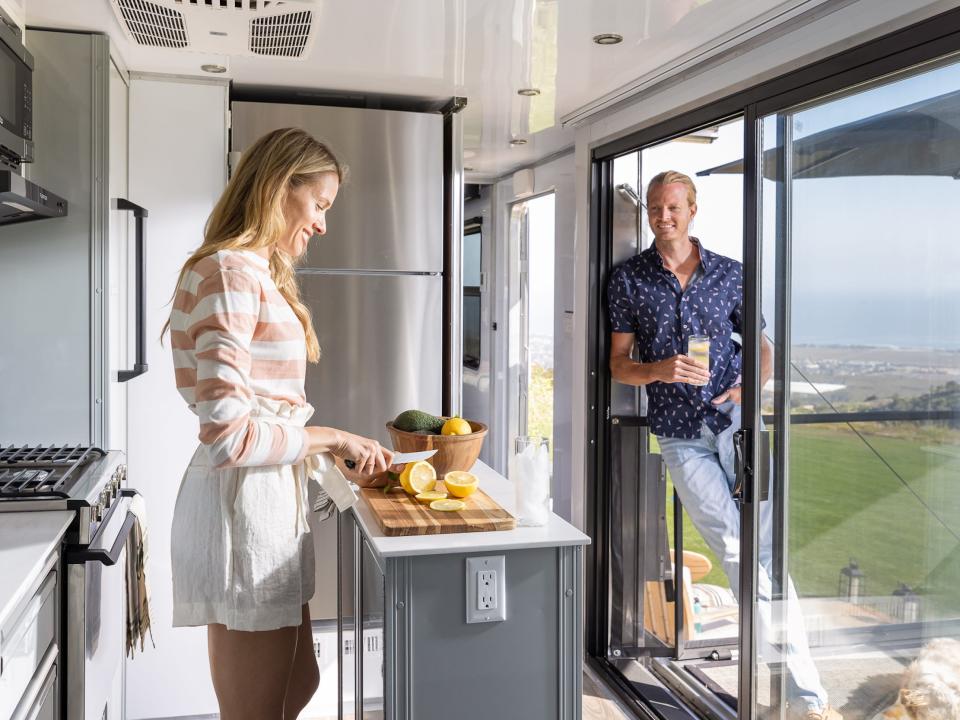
x=428 y=497
x=461 y=483
x=456 y=426
x=418 y=477
x=447 y=505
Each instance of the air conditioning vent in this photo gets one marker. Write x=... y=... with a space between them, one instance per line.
x=152 y=24
x=232 y=4
x=281 y=35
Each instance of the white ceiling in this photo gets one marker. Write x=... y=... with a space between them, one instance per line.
x=484 y=50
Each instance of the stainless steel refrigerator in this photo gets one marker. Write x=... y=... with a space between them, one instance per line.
x=374 y=282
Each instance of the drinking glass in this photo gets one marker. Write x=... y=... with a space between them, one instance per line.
x=530 y=474
x=698 y=348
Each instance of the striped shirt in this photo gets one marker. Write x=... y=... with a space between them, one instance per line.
x=235 y=339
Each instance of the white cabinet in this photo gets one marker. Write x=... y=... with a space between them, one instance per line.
x=30 y=648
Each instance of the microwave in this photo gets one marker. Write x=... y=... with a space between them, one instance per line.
x=16 y=97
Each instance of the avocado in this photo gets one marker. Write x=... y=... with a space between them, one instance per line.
x=416 y=420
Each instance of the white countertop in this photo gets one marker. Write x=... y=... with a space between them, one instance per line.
x=557 y=532
x=26 y=540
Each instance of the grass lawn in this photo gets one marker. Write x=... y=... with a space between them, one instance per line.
x=845 y=502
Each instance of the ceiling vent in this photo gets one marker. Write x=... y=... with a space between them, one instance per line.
x=261 y=28
x=281 y=35
x=152 y=24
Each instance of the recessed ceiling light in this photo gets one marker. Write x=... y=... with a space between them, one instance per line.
x=517 y=142
x=213 y=68
x=528 y=92
x=607 y=39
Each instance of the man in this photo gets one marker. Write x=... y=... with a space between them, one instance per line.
x=657 y=300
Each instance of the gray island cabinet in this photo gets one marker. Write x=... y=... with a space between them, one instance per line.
x=418 y=658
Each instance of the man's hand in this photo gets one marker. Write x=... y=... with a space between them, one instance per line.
x=681 y=368
x=731 y=394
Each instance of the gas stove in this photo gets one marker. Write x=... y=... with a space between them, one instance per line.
x=81 y=478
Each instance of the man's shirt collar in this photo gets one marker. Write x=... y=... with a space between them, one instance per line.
x=707 y=259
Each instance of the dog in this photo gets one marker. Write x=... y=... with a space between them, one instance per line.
x=931 y=684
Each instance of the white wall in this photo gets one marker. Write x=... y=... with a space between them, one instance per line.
x=851 y=25
x=178 y=150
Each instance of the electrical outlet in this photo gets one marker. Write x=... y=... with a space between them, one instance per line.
x=486 y=589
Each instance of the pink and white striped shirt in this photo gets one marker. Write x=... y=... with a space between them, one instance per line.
x=235 y=339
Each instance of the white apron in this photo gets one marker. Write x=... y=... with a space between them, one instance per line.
x=241 y=548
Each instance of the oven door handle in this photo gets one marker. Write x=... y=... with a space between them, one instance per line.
x=89 y=553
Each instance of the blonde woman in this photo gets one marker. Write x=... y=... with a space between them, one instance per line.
x=243 y=558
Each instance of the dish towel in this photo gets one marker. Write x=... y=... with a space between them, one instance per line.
x=138 y=592
x=335 y=489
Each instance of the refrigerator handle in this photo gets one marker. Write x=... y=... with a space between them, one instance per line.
x=140 y=215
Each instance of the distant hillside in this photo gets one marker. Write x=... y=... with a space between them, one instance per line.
x=942 y=397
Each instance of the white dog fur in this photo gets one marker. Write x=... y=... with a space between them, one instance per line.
x=931 y=685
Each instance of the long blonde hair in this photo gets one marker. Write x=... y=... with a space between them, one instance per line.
x=249 y=214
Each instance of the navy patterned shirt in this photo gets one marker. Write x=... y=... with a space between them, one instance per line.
x=645 y=299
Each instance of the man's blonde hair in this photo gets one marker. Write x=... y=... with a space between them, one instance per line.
x=249 y=214
x=672 y=176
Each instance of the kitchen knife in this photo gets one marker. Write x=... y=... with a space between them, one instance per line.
x=400 y=458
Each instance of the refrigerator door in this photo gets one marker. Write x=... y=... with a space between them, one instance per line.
x=389 y=213
x=381 y=348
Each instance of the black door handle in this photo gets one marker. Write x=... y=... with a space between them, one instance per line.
x=742 y=466
x=140 y=214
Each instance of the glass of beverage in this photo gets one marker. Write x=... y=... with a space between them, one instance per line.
x=698 y=348
x=530 y=473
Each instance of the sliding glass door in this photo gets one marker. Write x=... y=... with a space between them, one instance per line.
x=858 y=541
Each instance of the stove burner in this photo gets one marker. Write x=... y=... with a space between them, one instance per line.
x=42 y=471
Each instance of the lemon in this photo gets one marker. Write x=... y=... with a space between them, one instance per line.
x=447 y=505
x=429 y=497
x=418 y=477
x=456 y=426
x=460 y=483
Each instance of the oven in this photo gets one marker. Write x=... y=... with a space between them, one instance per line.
x=92 y=483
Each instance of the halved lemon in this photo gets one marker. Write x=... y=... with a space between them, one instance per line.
x=456 y=426
x=448 y=505
x=430 y=496
x=418 y=477
x=461 y=483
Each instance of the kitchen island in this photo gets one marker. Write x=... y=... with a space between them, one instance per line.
x=411 y=596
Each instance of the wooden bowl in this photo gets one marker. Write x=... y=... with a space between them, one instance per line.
x=454 y=452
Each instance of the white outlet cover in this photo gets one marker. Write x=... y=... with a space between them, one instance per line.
x=498 y=610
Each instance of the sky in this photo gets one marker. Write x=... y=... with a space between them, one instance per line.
x=875 y=260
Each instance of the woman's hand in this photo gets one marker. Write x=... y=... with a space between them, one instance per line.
x=366 y=454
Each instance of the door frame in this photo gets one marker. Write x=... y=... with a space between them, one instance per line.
x=926 y=41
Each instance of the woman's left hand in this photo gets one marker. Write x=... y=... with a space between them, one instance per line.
x=370 y=479
x=732 y=394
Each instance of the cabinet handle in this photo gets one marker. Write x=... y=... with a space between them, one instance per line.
x=140 y=214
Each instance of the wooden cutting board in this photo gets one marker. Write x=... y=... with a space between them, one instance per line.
x=400 y=514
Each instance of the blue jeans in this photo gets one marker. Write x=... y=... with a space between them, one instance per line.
x=703 y=474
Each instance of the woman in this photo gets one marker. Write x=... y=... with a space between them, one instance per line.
x=243 y=562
